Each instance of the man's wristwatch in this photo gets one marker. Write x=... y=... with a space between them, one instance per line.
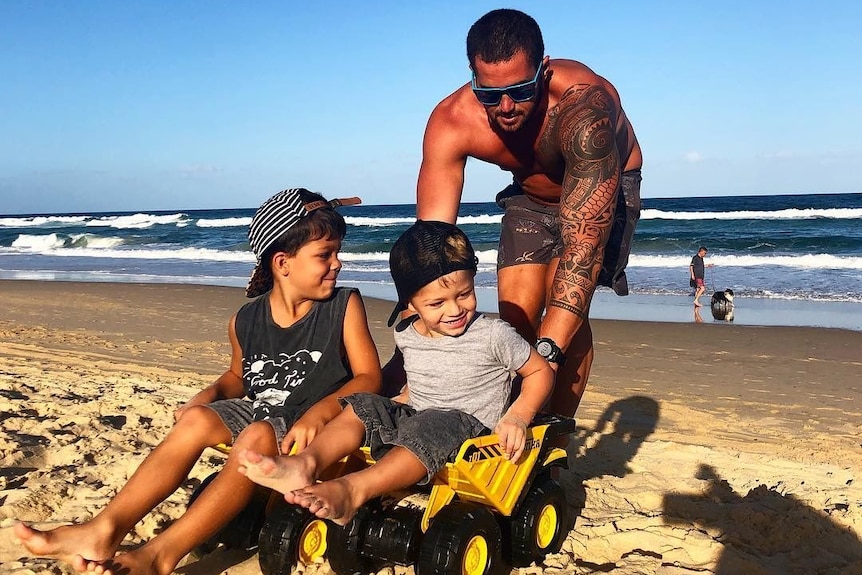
x=550 y=351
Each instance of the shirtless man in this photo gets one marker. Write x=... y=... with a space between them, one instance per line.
x=561 y=130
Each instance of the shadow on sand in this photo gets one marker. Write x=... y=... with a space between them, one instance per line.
x=608 y=447
x=765 y=532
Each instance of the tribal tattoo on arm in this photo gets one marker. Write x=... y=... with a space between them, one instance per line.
x=584 y=133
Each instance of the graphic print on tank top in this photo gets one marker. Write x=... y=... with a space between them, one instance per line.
x=272 y=381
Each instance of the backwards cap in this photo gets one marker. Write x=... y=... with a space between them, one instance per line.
x=419 y=257
x=271 y=220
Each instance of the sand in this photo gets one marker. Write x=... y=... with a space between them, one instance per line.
x=700 y=448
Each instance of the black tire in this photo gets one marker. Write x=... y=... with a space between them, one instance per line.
x=393 y=535
x=538 y=525
x=344 y=545
x=242 y=531
x=280 y=538
x=463 y=539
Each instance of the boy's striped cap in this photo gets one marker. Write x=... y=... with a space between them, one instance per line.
x=271 y=220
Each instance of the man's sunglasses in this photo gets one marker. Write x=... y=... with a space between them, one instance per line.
x=518 y=92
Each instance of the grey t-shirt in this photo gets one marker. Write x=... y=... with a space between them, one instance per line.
x=471 y=372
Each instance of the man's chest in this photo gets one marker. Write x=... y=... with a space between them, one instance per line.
x=538 y=167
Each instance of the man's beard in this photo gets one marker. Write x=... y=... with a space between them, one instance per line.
x=496 y=124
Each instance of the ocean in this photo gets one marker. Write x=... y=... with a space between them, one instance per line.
x=790 y=259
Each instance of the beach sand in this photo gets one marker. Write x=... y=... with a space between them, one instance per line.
x=700 y=447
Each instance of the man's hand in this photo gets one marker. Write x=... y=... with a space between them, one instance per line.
x=512 y=431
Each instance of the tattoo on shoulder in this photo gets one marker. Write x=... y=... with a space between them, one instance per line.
x=584 y=125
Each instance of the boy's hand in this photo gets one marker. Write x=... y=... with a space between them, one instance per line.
x=512 y=431
x=180 y=411
x=303 y=431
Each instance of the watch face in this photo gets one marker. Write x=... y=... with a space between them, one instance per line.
x=544 y=348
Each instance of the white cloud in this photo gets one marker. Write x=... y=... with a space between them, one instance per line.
x=693 y=157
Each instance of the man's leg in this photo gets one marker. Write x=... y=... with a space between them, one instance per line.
x=160 y=474
x=572 y=377
x=523 y=291
x=522 y=294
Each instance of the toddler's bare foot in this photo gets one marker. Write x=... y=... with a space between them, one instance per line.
x=284 y=474
x=76 y=544
x=333 y=500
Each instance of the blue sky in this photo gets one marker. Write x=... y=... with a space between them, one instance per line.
x=139 y=105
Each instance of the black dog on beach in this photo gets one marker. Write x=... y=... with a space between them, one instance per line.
x=722 y=305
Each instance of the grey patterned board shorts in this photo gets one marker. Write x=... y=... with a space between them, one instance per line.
x=530 y=231
x=432 y=435
x=237 y=414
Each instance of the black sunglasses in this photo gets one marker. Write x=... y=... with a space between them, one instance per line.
x=517 y=92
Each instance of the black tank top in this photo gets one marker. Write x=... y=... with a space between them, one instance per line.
x=287 y=370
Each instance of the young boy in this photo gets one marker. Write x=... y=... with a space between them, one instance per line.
x=294 y=350
x=458 y=365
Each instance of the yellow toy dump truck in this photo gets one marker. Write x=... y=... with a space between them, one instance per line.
x=479 y=514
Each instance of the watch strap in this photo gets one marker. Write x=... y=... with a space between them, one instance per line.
x=549 y=349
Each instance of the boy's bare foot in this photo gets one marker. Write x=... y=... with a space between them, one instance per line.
x=141 y=561
x=284 y=474
x=76 y=544
x=333 y=500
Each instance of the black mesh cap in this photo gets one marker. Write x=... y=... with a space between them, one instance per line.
x=426 y=251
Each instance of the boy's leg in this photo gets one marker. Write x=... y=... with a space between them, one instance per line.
x=340 y=437
x=339 y=499
x=419 y=444
x=160 y=474
x=220 y=502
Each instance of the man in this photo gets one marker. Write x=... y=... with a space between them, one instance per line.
x=560 y=130
x=696 y=271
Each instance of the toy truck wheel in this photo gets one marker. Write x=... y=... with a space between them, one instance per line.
x=290 y=534
x=393 y=535
x=537 y=527
x=344 y=545
x=242 y=531
x=463 y=539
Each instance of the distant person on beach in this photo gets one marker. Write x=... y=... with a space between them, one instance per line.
x=696 y=270
x=571 y=210
x=294 y=351
x=458 y=365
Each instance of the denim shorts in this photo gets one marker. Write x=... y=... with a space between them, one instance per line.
x=432 y=435
x=237 y=414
